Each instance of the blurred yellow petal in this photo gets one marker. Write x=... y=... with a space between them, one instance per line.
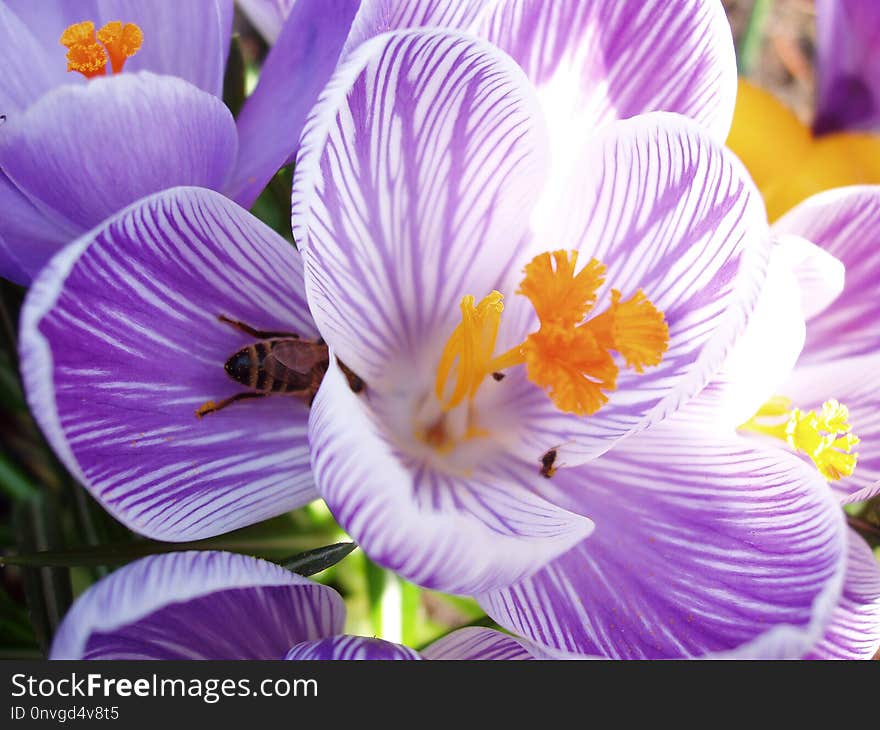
x=832 y=161
x=787 y=164
x=770 y=140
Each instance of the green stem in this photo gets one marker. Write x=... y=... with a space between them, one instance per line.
x=117 y=553
x=752 y=38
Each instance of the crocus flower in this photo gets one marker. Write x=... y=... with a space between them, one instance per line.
x=73 y=151
x=465 y=481
x=121 y=349
x=106 y=101
x=812 y=400
x=215 y=605
x=790 y=160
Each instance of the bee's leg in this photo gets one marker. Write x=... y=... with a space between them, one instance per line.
x=253 y=332
x=212 y=407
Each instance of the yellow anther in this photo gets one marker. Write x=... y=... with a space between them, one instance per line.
x=87 y=52
x=469 y=349
x=826 y=437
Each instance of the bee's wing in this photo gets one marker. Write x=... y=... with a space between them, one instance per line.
x=297 y=355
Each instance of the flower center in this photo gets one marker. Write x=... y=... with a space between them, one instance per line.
x=568 y=357
x=87 y=52
x=826 y=437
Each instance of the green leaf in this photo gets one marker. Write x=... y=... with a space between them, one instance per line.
x=47 y=590
x=318 y=559
x=15 y=626
x=14 y=482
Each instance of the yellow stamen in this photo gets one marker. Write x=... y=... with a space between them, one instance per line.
x=87 y=53
x=469 y=349
x=826 y=437
x=567 y=357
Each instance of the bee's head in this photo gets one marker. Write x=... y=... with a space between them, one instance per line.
x=241 y=366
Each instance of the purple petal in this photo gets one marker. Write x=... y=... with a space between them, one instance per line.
x=121 y=343
x=30 y=238
x=703 y=544
x=293 y=75
x=268 y=16
x=476 y=643
x=341 y=648
x=134 y=134
x=459 y=533
x=854 y=631
x=28 y=71
x=670 y=212
x=845 y=223
x=412 y=189
x=197 y=605
x=847 y=65
x=594 y=61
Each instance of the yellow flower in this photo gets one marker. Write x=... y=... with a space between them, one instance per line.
x=789 y=164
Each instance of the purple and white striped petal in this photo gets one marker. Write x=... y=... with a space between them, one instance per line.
x=375 y=17
x=459 y=533
x=475 y=643
x=704 y=544
x=342 y=648
x=82 y=153
x=595 y=61
x=670 y=212
x=413 y=188
x=197 y=605
x=854 y=631
x=801 y=278
x=291 y=79
x=847 y=65
x=845 y=223
x=853 y=382
x=121 y=343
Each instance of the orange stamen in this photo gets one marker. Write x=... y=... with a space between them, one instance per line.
x=567 y=357
x=559 y=295
x=572 y=366
x=121 y=42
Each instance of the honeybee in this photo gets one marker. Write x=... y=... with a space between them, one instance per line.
x=278 y=363
x=547 y=464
